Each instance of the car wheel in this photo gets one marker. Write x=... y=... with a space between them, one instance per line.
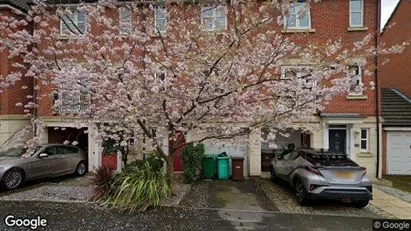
x=81 y=169
x=360 y=204
x=12 y=179
x=300 y=193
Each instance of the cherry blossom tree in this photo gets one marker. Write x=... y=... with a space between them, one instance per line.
x=180 y=66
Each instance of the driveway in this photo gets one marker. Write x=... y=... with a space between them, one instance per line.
x=67 y=188
x=241 y=204
x=243 y=195
x=282 y=195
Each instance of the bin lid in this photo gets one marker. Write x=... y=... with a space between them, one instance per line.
x=223 y=157
x=209 y=155
x=237 y=158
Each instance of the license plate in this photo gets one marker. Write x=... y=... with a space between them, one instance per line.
x=344 y=175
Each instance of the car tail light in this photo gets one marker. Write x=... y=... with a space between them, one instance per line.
x=313 y=186
x=313 y=170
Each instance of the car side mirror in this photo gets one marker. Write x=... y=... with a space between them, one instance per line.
x=42 y=155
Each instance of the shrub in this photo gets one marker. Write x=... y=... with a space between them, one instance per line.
x=192 y=162
x=153 y=160
x=138 y=187
x=102 y=179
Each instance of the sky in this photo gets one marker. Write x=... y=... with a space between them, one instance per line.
x=387 y=8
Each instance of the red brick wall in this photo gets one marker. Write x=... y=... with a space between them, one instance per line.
x=330 y=19
x=397 y=73
x=13 y=94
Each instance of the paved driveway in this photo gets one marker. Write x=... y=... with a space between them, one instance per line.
x=243 y=195
x=282 y=195
x=242 y=204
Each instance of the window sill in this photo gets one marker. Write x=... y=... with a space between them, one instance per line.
x=156 y=35
x=357 y=28
x=365 y=154
x=68 y=37
x=292 y=31
x=357 y=97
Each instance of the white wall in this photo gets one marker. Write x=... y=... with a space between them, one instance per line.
x=9 y=129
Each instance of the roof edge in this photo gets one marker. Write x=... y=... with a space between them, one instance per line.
x=392 y=15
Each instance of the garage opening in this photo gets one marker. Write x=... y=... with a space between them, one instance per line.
x=300 y=140
x=59 y=135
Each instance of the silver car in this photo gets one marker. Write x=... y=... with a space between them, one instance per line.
x=319 y=174
x=49 y=160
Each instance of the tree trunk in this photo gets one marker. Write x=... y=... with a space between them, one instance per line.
x=170 y=171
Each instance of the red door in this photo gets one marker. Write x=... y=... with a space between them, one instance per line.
x=179 y=142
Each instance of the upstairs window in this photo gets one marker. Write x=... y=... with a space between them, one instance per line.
x=214 y=17
x=299 y=16
x=73 y=24
x=160 y=20
x=356 y=13
x=71 y=99
x=301 y=73
x=125 y=21
x=356 y=85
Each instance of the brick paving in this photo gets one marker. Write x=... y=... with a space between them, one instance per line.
x=403 y=195
x=283 y=197
x=391 y=204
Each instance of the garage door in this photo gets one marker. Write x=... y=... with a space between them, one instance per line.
x=399 y=153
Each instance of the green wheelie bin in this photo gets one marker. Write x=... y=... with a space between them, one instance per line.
x=209 y=166
x=223 y=167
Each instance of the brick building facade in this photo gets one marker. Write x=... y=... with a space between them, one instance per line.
x=351 y=116
x=395 y=78
x=13 y=118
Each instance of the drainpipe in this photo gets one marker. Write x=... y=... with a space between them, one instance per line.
x=377 y=100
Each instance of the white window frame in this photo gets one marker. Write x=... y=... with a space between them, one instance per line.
x=297 y=67
x=76 y=98
x=163 y=8
x=366 y=139
x=213 y=17
x=360 y=75
x=297 y=18
x=165 y=80
x=362 y=14
x=75 y=21
x=125 y=23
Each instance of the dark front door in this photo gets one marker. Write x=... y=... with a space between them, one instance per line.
x=337 y=140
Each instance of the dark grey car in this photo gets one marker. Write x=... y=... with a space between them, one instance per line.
x=49 y=160
x=319 y=174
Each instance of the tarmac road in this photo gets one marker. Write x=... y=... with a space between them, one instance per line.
x=83 y=216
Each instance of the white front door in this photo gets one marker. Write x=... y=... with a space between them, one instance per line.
x=399 y=153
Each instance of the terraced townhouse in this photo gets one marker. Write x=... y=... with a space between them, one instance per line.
x=349 y=124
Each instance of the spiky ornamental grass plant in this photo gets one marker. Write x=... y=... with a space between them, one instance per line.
x=102 y=179
x=138 y=188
